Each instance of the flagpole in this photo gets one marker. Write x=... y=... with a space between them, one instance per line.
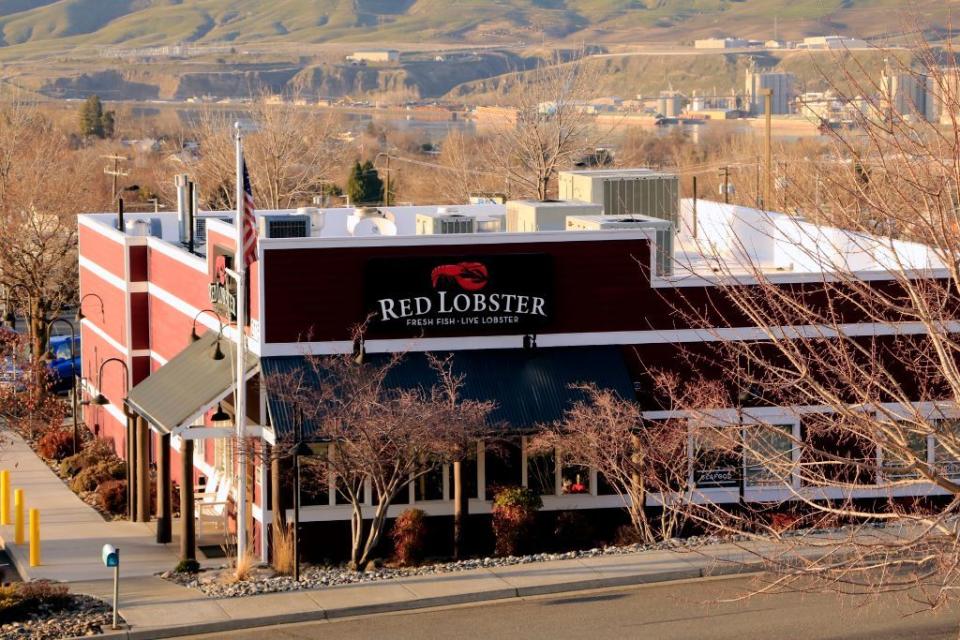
x=240 y=409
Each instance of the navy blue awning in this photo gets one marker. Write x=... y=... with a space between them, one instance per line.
x=529 y=387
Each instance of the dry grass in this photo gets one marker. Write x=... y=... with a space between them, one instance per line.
x=243 y=567
x=283 y=550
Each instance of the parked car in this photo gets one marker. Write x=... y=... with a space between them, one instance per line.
x=65 y=363
x=62 y=363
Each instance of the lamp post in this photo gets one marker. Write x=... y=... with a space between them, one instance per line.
x=10 y=317
x=101 y=400
x=73 y=388
x=299 y=449
x=80 y=316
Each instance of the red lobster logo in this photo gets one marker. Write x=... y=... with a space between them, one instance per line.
x=470 y=276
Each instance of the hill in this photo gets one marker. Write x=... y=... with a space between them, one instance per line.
x=42 y=27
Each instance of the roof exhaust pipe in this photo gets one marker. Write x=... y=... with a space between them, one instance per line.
x=181 y=182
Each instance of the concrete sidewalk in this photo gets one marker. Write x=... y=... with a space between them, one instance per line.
x=72 y=532
x=155 y=608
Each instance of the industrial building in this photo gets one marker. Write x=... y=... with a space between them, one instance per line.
x=781 y=83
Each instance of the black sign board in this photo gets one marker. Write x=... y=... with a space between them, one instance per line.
x=507 y=293
x=717 y=477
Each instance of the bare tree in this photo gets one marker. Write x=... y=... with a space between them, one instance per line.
x=879 y=437
x=552 y=130
x=43 y=184
x=381 y=437
x=291 y=152
x=637 y=457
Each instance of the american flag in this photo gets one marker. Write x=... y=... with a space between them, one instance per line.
x=249 y=221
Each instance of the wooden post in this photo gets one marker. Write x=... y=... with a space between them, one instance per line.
x=276 y=498
x=164 y=491
x=143 y=470
x=131 y=468
x=188 y=531
x=461 y=509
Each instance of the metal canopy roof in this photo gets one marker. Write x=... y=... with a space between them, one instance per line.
x=188 y=384
x=529 y=387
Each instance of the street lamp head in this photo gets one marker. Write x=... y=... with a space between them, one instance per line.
x=194 y=336
x=10 y=319
x=80 y=316
x=101 y=400
x=301 y=449
x=220 y=415
x=218 y=352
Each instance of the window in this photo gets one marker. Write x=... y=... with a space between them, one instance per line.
x=946 y=447
x=896 y=464
x=341 y=496
x=314 y=480
x=503 y=465
x=716 y=460
x=574 y=479
x=430 y=485
x=542 y=472
x=832 y=452
x=769 y=455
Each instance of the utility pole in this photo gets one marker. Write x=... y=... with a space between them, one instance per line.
x=725 y=172
x=767 y=94
x=115 y=172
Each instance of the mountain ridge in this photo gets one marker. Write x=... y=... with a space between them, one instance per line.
x=39 y=25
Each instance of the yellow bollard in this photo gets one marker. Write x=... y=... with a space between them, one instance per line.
x=18 y=516
x=4 y=497
x=34 y=538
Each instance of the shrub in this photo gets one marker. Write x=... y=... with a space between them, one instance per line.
x=112 y=496
x=18 y=601
x=56 y=445
x=91 y=477
x=409 y=535
x=96 y=451
x=514 y=513
x=626 y=535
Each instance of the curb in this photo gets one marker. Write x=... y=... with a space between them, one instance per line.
x=218 y=626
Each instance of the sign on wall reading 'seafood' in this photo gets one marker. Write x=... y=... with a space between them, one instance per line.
x=491 y=294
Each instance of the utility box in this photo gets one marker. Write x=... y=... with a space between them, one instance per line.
x=625 y=192
x=551 y=215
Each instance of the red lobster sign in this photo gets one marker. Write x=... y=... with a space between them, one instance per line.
x=469 y=276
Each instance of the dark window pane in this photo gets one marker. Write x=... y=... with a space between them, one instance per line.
x=503 y=465
x=342 y=497
x=430 y=485
x=604 y=488
x=541 y=473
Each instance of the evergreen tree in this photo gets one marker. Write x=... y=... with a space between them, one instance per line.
x=364 y=185
x=372 y=184
x=94 y=121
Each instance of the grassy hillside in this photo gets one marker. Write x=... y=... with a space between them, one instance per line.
x=47 y=26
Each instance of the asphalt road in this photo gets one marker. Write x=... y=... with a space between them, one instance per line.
x=676 y=611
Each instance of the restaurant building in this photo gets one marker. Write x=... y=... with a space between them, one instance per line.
x=530 y=297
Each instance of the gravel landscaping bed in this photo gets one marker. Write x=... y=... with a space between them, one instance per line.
x=83 y=616
x=217 y=583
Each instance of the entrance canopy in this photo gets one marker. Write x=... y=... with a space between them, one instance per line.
x=529 y=387
x=188 y=385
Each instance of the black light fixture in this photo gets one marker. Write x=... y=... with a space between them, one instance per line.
x=79 y=317
x=101 y=400
x=194 y=336
x=80 y=314
x=220 y=415
x=10 y=319
x=218 y=352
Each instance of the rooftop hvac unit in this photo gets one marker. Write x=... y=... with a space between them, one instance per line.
x=200 y=227
x=534 y=215
x=317 y=219
x=662 y=231
x=625 y=192
x=284 y=226
x=445 y=222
